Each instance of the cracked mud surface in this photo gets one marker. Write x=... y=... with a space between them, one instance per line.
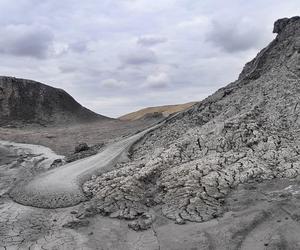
x=231 y=163
x=61 y=187
x=25 y=227
x=248 y=130
x=257 y=215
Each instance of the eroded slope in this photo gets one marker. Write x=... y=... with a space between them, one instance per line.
x=25 y=101
x=247 y=130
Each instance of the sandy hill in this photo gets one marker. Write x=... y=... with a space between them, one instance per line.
x=25 y=101
x=159 y=111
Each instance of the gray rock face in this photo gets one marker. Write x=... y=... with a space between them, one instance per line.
x=280 y=24
x=277 y=53
x=26 y=101
x=247 y=131
x=82 y=151
x=81 y=147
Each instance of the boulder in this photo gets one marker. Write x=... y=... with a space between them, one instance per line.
x=81 y=147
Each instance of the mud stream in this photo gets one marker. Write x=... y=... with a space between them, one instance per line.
x=259 y=216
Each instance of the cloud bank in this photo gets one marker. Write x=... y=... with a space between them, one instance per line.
x=116 y=56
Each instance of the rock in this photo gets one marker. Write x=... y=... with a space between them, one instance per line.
x=115 y=214
x=83 y=151
x=56 y=163
x=280 y=24
x=285 y=195
x=87 y=210
x=179 y=221
x=81 y=147
x=154 y=115
x=76 y=224
x=144 y=222
x=80 y=155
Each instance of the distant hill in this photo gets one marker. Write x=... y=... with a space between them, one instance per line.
x=159 y=111
x=29 y=102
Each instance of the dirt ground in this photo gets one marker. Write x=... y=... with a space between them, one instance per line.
x=258 y=215
x=63 y=139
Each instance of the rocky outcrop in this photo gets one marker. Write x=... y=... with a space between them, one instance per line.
x=281 y=24
x=82 y=151
x=277 y=52
x=81 y=147
x=26 y=102
x=247 y=131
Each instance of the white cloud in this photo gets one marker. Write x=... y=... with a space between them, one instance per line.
x=59 y=48
x=122 y=50
x=139 y=57
x=158 y=80
x=194 y=22
x=233 y=36
x=26 y=40
x=112 y=83
x=79 y=46
x=149 y=41
x=111 y=106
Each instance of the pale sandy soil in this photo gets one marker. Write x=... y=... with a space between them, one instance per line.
x=165 y=111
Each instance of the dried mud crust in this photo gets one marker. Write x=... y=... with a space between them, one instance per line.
x=246 y=131
x=259 y=214
x=61 y=187
x=26 y=227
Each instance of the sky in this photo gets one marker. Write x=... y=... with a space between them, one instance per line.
x=117 y=56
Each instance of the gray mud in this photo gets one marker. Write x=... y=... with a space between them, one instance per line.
x=258 y=215
x=6 y=155
x=62 y=187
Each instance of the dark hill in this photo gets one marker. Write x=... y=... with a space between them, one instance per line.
x=29 y=102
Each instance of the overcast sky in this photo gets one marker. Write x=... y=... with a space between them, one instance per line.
x=116 y=56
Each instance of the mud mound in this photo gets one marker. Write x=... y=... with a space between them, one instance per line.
x=248 y=130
